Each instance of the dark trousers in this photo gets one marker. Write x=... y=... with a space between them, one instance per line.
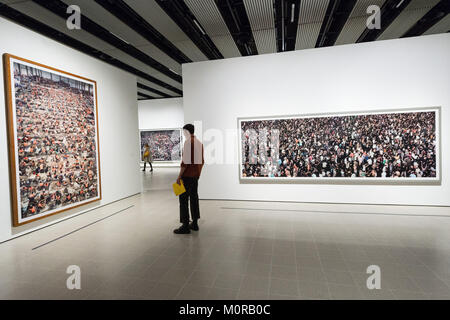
x=145 y=165
x=191 y=195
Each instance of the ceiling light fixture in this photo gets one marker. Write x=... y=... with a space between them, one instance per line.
x=400 y=3
x=199 y=27
x=247 y=49
x=115 y=35
x=292 y=12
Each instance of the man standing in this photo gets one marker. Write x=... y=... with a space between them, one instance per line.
x=190 y=170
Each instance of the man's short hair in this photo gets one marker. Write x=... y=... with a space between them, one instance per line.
x=189 y=127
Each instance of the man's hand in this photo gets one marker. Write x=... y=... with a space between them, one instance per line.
x=179 y=180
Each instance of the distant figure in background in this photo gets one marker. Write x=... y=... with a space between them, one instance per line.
x=190 y=170
x=147 y=157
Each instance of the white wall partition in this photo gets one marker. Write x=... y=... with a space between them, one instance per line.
x=394 y=74
x=117 y=118
x=161 y=113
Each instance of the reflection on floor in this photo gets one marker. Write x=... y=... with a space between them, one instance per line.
x=243 y=251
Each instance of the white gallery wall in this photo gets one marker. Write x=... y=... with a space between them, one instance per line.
x=117 y=119
x=161 y=114
x=394 y=74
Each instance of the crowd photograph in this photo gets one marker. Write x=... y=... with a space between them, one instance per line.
x=164 y=144
x=56 y=141
x=387 y=145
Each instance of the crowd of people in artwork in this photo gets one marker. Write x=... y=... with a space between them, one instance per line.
x=164 y=145
x=391 y=145
x=56 y=139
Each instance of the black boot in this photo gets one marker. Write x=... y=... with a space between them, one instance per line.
x=194 y=225
x=184 y=229
x=144 y=166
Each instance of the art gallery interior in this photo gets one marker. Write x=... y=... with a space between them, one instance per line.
x=143 y=69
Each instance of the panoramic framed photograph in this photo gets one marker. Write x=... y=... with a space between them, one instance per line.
x=388 y=146
x=165 y=144
x=53 y=139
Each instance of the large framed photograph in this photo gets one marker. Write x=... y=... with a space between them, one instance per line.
x=53 y=139
x=165 y=144
x=394 y=146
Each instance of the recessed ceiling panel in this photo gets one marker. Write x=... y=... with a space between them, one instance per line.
x=226 y=46
x=191 y=50
x=149 y=93
x=101 y=16
x=98 y=14
x=260 y=13
x=312 y=13
x=8 y=2
x=155 y=86
x=357 y=21
x=157 y=17
x=142 y=67
x=307 y=35
x=440 y=27
x=210 y=19
x=265 y=40
x=154 y=52
x=43 y=15
x=409 y=16
x=261 y=16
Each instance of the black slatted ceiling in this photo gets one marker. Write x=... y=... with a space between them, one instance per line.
x=286 y=23
x=179 y=12
x=146 y=96
x=235 y=16
x=56 y=35
x=390 y=10
x=162 y=94
x=336 y=16
x=233 y=12
x=436 y=14
x=132 y=19
x=60 y=8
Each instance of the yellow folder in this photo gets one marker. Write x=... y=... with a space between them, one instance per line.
x=179 y=188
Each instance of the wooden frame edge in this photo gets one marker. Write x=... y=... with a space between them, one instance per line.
x=98 y=144
x=10 y=130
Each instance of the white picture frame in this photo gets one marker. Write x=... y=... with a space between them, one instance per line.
x=345 y=180
x=176 y=157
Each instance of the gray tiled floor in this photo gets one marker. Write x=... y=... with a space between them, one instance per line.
x=244 y=250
